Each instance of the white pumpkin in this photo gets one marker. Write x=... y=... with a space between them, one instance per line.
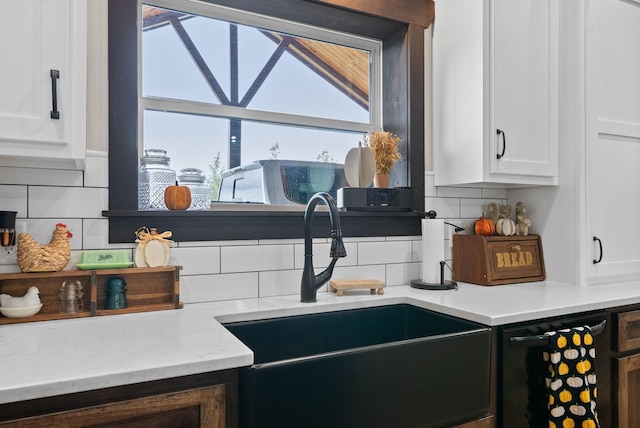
x=577 y=410
x=571 y=354
x=556 y=384
x=505 y=227
x=575 y=382
x=557 y=411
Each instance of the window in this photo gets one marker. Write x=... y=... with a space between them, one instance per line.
x=400 y=28
x=223 y=87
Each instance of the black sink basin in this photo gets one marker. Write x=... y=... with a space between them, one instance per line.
x=390 y=366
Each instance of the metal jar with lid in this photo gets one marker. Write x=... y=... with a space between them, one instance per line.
x=153 y=178
x=194 y=179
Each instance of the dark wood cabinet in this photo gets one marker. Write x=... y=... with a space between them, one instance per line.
x=627 y=369
x=485 y=422
x=199 y=401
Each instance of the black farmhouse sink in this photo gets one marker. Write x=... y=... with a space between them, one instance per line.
x=389 y=366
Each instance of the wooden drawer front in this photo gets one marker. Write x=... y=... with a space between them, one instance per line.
x=628 y=331
x=204 y=407
x=514 y=259
x=628 y=392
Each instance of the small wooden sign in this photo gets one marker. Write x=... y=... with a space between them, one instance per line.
x=496 y=260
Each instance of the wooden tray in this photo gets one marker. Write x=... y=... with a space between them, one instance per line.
x=339 y=286
x=148 y=289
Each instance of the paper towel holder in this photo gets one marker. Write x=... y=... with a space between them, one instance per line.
x=442 y=285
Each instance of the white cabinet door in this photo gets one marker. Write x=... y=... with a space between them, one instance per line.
x=613 y=138
x=495 y=92
x=524 y=89
x=37 y=39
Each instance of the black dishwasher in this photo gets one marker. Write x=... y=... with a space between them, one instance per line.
x=521 y=395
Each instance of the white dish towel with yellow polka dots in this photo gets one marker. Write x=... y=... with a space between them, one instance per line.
x=571 y=378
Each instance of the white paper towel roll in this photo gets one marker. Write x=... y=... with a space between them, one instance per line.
x=432 y=249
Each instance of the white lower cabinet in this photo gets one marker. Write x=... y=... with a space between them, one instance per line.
x=43 y=83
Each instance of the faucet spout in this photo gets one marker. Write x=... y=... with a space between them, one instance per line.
x=310 y=281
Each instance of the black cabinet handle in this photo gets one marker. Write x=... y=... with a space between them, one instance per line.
x=504 y=142
x=55 y=75
x=596 y=239
x=543 y=339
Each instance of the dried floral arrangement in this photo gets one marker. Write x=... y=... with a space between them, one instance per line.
x=385 y=149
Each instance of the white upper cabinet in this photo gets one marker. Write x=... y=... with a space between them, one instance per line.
x=495 y=92
x=43 y=83
x=613 y=139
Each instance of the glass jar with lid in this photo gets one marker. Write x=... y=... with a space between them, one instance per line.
x=153 y=178
x=194 y=179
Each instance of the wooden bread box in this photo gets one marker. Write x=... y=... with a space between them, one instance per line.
x=497 y=260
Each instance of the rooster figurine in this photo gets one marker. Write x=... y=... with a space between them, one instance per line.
x=53 y=257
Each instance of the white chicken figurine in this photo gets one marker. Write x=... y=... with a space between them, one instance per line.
x=31 y=298
x=53 y=257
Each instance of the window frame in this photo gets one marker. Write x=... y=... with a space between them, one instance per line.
x=402 y=32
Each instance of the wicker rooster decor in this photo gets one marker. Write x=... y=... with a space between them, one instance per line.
x=53 y=257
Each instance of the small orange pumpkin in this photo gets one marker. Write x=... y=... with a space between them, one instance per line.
x=177 y=197
x=484 y=226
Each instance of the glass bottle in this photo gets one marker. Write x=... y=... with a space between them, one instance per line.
x=194 y=179
x=71 y=297
x=116 y=297
x=153 y=178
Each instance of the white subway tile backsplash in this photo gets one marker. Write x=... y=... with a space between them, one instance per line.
x=403 y=273
x=364 y=239
x=459 y=192
x=97 y=169
x=429 y=188
x=208 y=288
x=473 y=208
x=14 y=198
x=197 y=261
x=494 y=193
x=321 y=256
x=258 y=258
x=43 y=177
x=95 y=235
x=69 y=202
x=280 y=282
x=444 y=207
x=360 y=272
x=370 y=253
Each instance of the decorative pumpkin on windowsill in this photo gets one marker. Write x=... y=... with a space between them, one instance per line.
x=177 y=197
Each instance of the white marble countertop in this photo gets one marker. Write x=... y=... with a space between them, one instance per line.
x=50 y=358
